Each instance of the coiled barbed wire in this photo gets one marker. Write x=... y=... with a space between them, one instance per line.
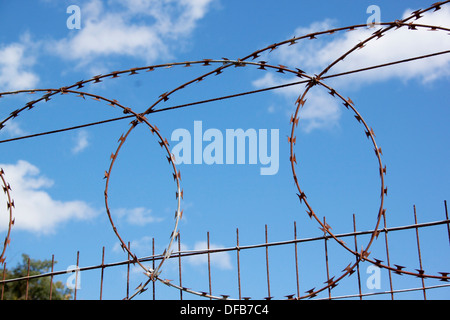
x=310 y=81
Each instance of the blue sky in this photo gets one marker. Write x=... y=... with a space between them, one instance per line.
x=57 y=180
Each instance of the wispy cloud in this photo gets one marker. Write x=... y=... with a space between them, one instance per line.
x=140 y=29
x=221 y=260
x=16 y=66
x=35 y=209
x=12 y=129
x=144 y=29
x=81 y=142
x=312 y=56
x=139 y=246
x=319 y=112
x=136 y=216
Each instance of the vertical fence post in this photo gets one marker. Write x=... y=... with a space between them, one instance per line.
x=209 y=264
x=420 y=256
x=446 y=217
x=102 y=271
x=326 y=256
x=28 y=280
x=238 y=263
x=128 y=270
x=179 y=265
x=3 y=278
x=51 y=277
x=153 y=267
x=296 y=259
x=267 y=264
x=387 y=255
x=76 y=275
x=357 y=266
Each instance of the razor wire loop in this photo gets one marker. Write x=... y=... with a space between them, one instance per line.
x=316 y=80
x=9 y=206
x=325 y=227
x=163 y=142
x=179 y=193
x=348 y=103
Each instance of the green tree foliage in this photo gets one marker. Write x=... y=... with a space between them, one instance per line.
x=39 y=288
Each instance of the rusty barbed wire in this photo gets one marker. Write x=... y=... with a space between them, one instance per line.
x=9 y=206
x=95 y=97
x=153 y=274
x=349 y=104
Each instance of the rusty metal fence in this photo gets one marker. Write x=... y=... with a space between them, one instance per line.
x=293 y=260
x=355 y=284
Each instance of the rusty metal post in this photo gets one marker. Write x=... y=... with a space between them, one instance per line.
x=128 y=269
x=3 y=278
x=51 y=277
x=238 y=263
x=296 y=259
x=387 y=255
x=179 y=265
x=153 y=266
x=420 y=256
x=448 y=221
x=102 y=272
x=357 y=266
x=76 y=275
x=267 y=264
x=209 y=264
x=28 y=279
x=326 y=257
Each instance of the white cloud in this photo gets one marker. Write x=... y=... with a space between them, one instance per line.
x=15 y=67
x=137 y=216
x=144 y=29
x=81 y=141
x=320 y=110
x=35 y=210
x=111 y=36
x=139 y=246
x=173 y=17
x=12 y=129
x=312 y=56
x=143 y=247
x=221 y=260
